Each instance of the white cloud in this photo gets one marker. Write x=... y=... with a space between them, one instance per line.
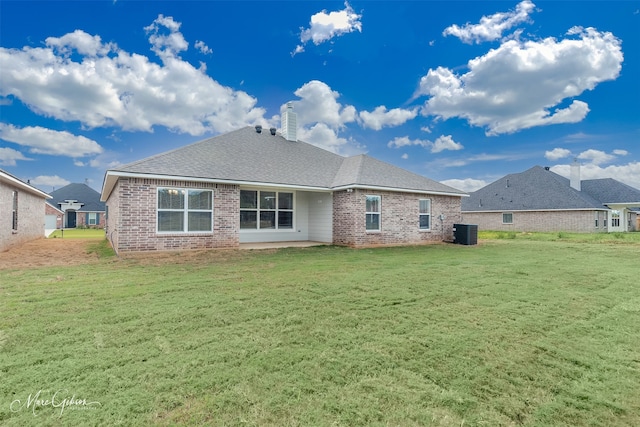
x=405 y=141
x=557 y=154
x=202 y=47
x=596 y=157
x=47 y=141
x=628 y=174
x=49 y=181
x=8 y=156
x=166 y=45
x=442 y=143
x=319 y=103
x=324 y=26
x=405 y=156
x=468 y=185
x=320 y=118
x=491 y=27
x=322 y=135
x=380 y=117
x=81 y=42
x=445 y=142
x=482 y=157
x=106 y=86
x=520 y=85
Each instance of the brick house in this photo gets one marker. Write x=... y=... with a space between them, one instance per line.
x=541 y=200
x=21 y=211
x=80 y=206
x=254 y=185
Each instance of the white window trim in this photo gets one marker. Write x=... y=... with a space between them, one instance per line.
x=276 y=210
x=185 y=211
x=616 y=218
x=507 y=213
x=379 y=213
x=424 y=214
x=94 y=220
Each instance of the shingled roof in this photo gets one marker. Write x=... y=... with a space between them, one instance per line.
x=247 y=157
x=541 y=189
x=82 y=193
x=6 y=177
x=609 y=191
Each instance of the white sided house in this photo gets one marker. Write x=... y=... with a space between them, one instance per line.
x=541 y=200
x=22 y=209
x=253 y=185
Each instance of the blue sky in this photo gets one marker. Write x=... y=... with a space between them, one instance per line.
x=460 y=92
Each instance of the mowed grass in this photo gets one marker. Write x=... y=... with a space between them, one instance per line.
x=507 y=333
x=78 y=233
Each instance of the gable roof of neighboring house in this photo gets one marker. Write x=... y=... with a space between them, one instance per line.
x=533 y=189
x=7 y=178
x=82 y=193
x=609 y=191
x=247 y=157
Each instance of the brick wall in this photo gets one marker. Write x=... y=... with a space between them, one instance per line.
x=132 y=213
x=398 y=221
x=81 y=220
x=30 y=217
x=543 y=221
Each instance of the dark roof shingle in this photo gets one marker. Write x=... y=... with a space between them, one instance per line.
x=80 y=192
x=247 y=156
x=533 y=189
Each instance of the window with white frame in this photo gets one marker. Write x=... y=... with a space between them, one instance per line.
x=373 y=213
x=597 y=217
x=507 y=218
x=14 y=210
x=615 y=218
x=183 y=210
x=266 y=210
x=425 y=214
x=92 y=218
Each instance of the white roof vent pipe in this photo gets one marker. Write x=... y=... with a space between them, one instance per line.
x=574 y=180
x=289 y=125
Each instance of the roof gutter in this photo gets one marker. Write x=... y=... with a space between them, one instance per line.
x=4 y=176
x=397 y=190
x=111 y=177
x=538 y=210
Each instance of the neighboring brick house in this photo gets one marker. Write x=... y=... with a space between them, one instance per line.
x=80 y=206
x=21 y=211
x=541 y=200
x=252 y=186
x=53 y=218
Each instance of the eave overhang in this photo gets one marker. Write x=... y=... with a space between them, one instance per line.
x=111 y=178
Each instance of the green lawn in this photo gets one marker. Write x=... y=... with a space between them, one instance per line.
x=514 y=331
x=78 y=233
